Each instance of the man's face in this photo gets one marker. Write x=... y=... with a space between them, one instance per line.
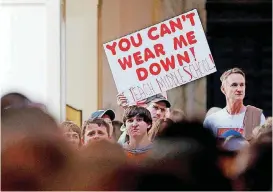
x=93 y=132
x=157 y=110
x=72 y=137
x=108 y=120
x=234 y=87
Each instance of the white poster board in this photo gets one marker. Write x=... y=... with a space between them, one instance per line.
x=161 y=57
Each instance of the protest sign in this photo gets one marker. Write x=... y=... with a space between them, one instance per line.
x=161 y=57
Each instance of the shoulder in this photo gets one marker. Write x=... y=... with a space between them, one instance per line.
x=253 y=108
x=214 y=116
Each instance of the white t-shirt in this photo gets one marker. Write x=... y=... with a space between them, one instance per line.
x=221 y=121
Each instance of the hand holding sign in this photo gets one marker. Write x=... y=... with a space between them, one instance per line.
x=160 y=57
x=122 y=100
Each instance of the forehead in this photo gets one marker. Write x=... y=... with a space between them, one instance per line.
x=92 y=127
x=235 y=78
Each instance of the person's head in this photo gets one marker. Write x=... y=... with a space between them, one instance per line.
x=235 y=143
x=188 y=150
x=35 y=163
x=265 y=128
x=254 y=166
x=94 y=130
x=72 y=132
x=233 y=84
x=177 y=115
x=137 y=121
x=117 y=132
x=18 y=100
x=157 y=105
x=158 y=126
x=108 y=116
x=17 y=123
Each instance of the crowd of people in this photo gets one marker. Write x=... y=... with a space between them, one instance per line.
x=153 y=146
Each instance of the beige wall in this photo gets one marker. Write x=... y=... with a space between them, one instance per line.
x=81 y=55
x=119 y=18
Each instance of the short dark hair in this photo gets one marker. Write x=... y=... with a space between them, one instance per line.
x=231 y=71
x=98 y=121
x=133 y=111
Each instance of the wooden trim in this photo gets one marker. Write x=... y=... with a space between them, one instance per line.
x=155 y=11
x=74 y=115
x=99 y=51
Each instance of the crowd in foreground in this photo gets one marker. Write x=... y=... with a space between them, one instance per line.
x=153 y=147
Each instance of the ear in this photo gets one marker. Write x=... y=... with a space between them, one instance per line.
x=149 y=126
x=223 y=90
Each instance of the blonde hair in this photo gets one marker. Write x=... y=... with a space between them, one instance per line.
x=227 y=73
x=71 y=126
x=177 y=115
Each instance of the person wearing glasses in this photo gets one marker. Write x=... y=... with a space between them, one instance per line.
x=235 y=116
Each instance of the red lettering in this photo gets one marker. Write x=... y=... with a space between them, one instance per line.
x=159 y=49
x=182 y=58
x=138 y=58
x=177 y=24
x=191 y=37
x=121 y=44
x=191 y=17
x=139 y=40
x=155 y=69
x=112 y=48
x=168 y=63
x=178 y=43
x=148 y=54
x=150 y=35
x=142 y=74
x=187 y=72
x=127 y=61
x=164 y=30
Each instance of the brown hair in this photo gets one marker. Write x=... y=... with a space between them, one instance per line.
x=133 y=111
x=26 y=121
x=71 y=126
x=98 y=121
x=116 y=132
x=231 y=71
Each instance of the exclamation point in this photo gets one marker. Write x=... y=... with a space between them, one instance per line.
x=193 y=53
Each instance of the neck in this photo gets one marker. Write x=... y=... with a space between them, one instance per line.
x=235 y=107
x=139 y=142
